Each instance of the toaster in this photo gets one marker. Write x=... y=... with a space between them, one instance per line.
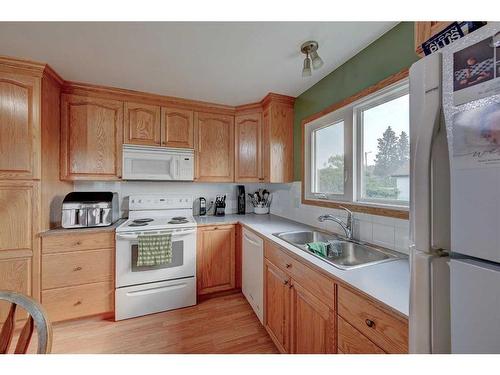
x=82 y=209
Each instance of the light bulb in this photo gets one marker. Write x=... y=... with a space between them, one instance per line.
x=316 y=60
x=306 y=70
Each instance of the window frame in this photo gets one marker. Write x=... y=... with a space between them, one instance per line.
x=325 y=121
x=382 y=96
x=348 y=108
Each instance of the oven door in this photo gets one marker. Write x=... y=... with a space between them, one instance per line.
x=183 y=258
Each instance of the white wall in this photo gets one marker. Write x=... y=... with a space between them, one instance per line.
x=380 y=230
x=384 y=231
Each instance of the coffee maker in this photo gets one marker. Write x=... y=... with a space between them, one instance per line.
x=241 y=200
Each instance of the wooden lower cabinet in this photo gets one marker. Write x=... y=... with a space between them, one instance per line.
x=295 y=318
x=215 y=259
x=351 y=341
x=373 y=321
x=77 y=275
x=312 y=323
x=15 y=275
x=78 y=301
x=276 y=305
x=307 y=312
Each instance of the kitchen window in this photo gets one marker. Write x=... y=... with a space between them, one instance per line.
x=359 y=154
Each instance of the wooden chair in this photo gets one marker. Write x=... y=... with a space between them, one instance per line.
x=37 y=317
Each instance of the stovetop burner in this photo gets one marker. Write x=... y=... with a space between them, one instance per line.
x=179 y=220
x=145 y=220
x=137 y=224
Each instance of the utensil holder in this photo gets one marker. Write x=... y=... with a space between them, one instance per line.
x=261 y=210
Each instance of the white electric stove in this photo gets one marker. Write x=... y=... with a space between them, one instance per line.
x=150 y=289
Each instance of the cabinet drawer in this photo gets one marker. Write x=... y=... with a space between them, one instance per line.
x=351 y=341
x=387 y=331
x=81 y=267
x=60 y=243
x=321 y=286
x=78 y=301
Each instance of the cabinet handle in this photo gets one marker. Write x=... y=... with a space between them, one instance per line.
x=77 y=268
x=290 y=286
x=78 y=243
x=288 y=265
x=285 y=282
x=370 y=323
x=77 y=303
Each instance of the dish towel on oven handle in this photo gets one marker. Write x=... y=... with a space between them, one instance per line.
x=154 y=250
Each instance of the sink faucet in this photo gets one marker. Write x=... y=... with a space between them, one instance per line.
x=347 y=226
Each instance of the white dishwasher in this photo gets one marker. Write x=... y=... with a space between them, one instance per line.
x=252 y=273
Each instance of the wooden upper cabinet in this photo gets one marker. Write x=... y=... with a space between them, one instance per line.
x=424 y=30
x=214 y=138
x=277 y=138
x=177 y=127
x=215 y=259
x=141 y=124
x=19 y=126
x=248 y=147
x=91 y=138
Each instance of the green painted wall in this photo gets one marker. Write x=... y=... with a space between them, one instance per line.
x=389 y=54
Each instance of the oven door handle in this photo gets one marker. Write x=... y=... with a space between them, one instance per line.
x=134 y=236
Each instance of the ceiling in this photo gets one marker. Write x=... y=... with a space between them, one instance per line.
x=229 y=63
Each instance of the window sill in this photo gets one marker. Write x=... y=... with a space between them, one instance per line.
x=399 y=212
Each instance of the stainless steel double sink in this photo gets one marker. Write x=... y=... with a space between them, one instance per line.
x=341 y=252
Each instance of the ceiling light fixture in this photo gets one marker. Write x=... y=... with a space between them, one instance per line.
x=310 y=49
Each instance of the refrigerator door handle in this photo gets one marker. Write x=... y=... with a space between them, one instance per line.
x=427 y=122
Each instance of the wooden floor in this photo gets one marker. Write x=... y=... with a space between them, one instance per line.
x=219 y=325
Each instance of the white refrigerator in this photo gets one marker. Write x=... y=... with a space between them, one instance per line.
x=455 y=197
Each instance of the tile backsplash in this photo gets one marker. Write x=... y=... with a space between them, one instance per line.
x=195 y=190
x=384 y=231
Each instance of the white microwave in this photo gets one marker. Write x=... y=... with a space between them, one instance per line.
x=157 y=163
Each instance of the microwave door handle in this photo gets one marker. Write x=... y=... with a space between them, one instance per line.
x=175 y=167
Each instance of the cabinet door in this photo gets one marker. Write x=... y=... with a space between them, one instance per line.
x=424 y=30
x=177 y=127
x=19 y=246
x=248 y=146
x=277 y=305
x=280 y=143
x=91 y=138
x=19 y=126
x=141 y=124
x=214 y=147
x=312 y=323
x=15 y=275
x=19 y=201
x=216 y=259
